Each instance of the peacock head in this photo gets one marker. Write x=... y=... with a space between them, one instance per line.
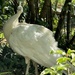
x=20 y=8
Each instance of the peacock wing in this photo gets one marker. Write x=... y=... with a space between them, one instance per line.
x=35 y=42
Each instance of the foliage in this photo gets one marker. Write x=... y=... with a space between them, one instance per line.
x=64 y=64
x=11 y=63
x=6 y=10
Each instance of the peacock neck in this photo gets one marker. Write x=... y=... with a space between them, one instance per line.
x=10 y=24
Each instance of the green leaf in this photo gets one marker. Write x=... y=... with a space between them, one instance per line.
x=49 y=71
x=51 y=52
x=46 y=71
x=61 y=67
x=1 y=35
x=73 y=60
x=57 y=52
x=73 y=74
x=73 y=55
x=73 y=63
x=63 y=59
x=60 y=52
x=70 y=51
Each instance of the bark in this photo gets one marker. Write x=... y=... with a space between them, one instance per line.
x=31 y=12
x=61 y=20
x=37 y=9
x=72 y=40
x=45 y=8
x=68 y=22
x=50 y=17
x=68 y=25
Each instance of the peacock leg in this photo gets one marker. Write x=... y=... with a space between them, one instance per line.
x=28 y=65
x=36 y=68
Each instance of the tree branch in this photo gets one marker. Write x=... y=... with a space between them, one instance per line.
x=45 y=9
x=61 y=20
x=31 y=6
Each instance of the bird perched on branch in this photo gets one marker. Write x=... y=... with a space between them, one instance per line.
x=31 y=41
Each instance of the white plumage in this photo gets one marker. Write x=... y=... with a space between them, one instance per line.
x=34 y=42
x=31 y=41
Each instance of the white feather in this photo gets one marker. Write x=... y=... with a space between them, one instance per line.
x=31 y=41
x=35 y=42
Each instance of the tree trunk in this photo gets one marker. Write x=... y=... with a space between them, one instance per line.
x=31 y=6
x=61 y=20
x=68 y=25
x=68 y=22
x=45 y=9
x=37 y=9
x=72 y=40
x=50 y=17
